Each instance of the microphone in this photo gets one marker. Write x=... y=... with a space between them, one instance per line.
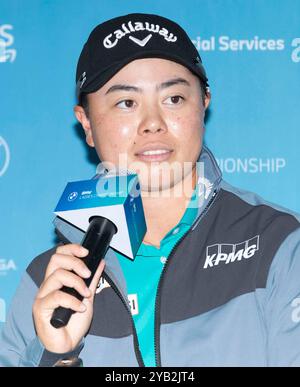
x=98 y=210
x=115 y=197
x=96 y=240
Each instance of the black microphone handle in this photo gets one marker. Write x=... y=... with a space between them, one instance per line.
x=96 y=239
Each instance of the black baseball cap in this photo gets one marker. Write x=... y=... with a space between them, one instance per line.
x=117 y=42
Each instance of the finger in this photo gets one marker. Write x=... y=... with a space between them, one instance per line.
x=61 y=278
x=67 y=262
x=72 y=249
x=59 y=298
x=97 y=276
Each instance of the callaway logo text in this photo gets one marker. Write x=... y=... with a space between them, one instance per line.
x=227 y=253
x=128 y=28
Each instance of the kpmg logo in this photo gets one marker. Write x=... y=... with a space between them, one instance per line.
x=227 y=253
x=2 y=310
x=7 y=53
x=7 y=265
x=4 y=156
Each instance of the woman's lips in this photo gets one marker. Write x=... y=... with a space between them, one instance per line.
x=154 y=155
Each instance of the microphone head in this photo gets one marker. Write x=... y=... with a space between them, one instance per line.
x=115 y=196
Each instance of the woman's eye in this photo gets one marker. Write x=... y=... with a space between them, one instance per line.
x=126 y=104
x=174 y=100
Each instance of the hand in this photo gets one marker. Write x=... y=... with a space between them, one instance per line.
x=67 y=258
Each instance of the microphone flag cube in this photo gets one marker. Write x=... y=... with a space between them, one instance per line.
x=116 y=197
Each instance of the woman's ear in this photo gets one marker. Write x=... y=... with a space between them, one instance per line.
x=207 y=99
x=86 y=124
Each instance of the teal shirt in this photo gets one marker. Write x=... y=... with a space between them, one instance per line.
x=142 y=277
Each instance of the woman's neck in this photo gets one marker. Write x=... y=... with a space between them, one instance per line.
x=164 y=209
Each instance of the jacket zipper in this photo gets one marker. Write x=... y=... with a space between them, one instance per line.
x=158 y=294
x=135 y=341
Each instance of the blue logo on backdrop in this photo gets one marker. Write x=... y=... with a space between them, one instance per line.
x=7 y=54
x=252 y=165
x=2 y=310
x=7 y=265
x=296 y=51
x=4 y=156
x=226 y=43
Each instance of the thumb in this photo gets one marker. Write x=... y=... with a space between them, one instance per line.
x=97 y=276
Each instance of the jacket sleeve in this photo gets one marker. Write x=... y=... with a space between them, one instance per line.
x=19 y=345
x=283 y=305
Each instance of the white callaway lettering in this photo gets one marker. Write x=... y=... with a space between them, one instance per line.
x=112 y=39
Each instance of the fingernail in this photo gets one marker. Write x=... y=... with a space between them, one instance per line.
x=84 y=251
x=86 y=273
x=82 y=308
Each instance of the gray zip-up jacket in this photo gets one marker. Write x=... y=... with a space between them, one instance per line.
x=229 y=294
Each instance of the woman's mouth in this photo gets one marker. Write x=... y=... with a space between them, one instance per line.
x=154 y=155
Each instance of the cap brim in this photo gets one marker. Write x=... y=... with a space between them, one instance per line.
x=103 y=76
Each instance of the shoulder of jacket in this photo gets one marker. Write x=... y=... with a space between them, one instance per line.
x=255 y=200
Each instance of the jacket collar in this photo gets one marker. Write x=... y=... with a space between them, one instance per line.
x=209 y=178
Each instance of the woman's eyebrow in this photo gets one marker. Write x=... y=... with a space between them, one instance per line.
x=124 y=88
x=163 y=85
x=172 y=82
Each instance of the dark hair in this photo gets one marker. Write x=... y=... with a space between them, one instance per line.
x=204 y=90
x=85 y=104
